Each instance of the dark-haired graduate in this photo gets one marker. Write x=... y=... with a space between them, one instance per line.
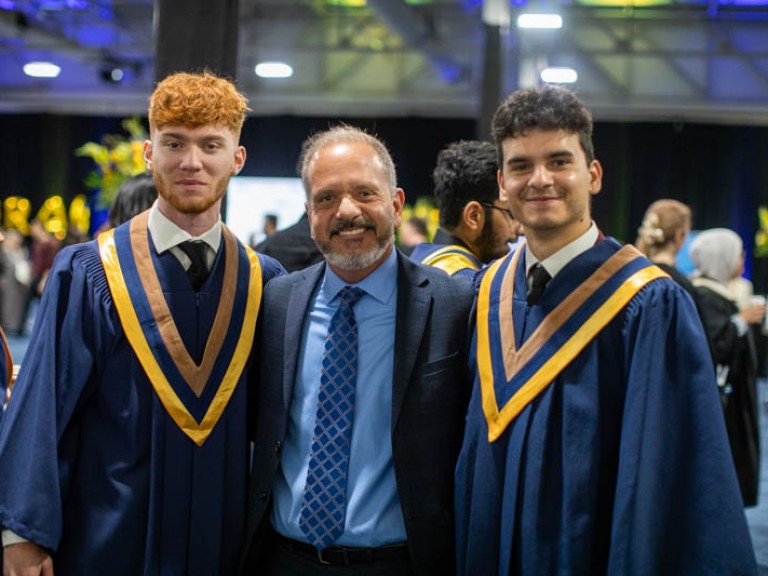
x=124 y=448
x=595 y=441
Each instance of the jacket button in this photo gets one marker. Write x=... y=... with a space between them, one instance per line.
x=263 y=495
x=278 y=445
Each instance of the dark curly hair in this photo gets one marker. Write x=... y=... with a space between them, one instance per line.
x=548 y=108
x=465 y=171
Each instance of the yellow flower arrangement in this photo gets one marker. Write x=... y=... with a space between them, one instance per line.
x=761 y=236
x=117 y=158
x=424 y=208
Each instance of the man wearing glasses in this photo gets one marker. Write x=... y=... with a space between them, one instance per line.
x=475 y=226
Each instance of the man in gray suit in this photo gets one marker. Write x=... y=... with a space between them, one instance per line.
x=361 y=484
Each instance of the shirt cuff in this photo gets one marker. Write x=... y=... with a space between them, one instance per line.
x=741 y=325
x=10 y=537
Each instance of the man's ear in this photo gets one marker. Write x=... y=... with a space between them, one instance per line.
x=473 y=216
x=148 y=154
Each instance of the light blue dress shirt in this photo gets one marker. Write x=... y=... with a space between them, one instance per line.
x=374 y=516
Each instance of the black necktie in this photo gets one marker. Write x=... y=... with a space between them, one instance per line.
x=198 y=270
x=539 y=279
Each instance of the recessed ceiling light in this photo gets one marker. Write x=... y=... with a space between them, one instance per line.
x=41 y=69
x=273 y=70
x=540 y=21
x=559 y=75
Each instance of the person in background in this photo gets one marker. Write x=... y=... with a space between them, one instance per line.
x=594 y=442
x=270 y=224
x=742 y=288
x=293 y=247
x=363 y=390
x=133 y=197
x=411 y=233
x=660 y=238
x=74 y=236
x=475 y=225
x=43 y=249
x=717 y=256
x=14 y=281
x=666 y=224
x=129 y=416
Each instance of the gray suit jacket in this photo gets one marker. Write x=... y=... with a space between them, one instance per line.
x=430 y=395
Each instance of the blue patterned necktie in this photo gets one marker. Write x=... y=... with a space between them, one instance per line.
x=323 y=506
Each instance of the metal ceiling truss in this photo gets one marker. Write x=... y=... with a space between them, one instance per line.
x=392 y=57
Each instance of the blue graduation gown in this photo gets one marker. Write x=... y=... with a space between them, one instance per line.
x=92 y=467
x=620 y=466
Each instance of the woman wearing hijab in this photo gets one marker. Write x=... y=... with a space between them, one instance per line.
x=716 y=255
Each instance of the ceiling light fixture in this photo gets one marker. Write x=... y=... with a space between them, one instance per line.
x=112 y=74
x=41 y=69
x=559 y=75
x=273 y=70
x=496 y=12
x=540 y=21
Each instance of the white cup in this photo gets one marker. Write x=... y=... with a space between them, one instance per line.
x=756 y=300
x=759 y=300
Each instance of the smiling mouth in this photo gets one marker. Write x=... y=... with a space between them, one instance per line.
x=352 y=228
x=351 y=231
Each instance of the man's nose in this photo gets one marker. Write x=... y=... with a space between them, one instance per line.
x=348 y=208
x=191 y=158
x=541 y=177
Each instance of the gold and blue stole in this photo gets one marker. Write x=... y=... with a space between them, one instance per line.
x=510 y=378
x=194 y=395
x=452 y=258
x=8 y=368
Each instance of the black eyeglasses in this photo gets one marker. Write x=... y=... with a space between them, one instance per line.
x=500 y=209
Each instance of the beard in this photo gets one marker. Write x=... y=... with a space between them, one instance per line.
x=194 y=205
x=486 y=244
x=357 y=261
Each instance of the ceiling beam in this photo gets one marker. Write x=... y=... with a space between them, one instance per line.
x=406 y=23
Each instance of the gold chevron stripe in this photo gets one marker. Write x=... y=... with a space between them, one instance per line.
x=499 y=420
x=196 y=376
x=197 y=432
x=450 y=259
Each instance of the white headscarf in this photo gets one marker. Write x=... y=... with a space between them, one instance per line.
x=716 y=253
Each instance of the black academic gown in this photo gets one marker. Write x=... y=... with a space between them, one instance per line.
x=740 y=405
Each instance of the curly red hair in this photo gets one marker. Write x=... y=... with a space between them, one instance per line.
x=193 y=100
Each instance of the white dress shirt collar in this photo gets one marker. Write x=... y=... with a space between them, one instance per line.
x=166 y=234
x=559 y=259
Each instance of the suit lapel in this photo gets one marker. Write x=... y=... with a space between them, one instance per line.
x=298 y=301
x=414 y=300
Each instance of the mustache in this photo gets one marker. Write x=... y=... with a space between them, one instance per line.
x=349 y=224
